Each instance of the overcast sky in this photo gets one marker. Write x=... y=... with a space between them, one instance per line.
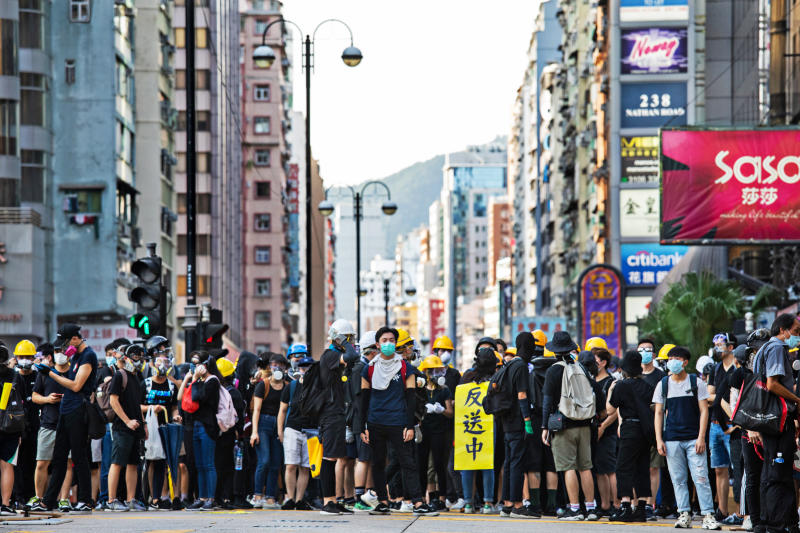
x=437 y=75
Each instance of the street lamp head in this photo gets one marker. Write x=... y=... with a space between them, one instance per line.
x=389 y=208
x=352 y=56
x=326 y=208
x=264 y=56
x=411 y=291
x=362 y=292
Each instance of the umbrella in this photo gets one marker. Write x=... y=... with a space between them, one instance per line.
x=171 y=438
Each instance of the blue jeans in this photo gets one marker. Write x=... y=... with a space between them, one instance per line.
x=720 y=445
x=488 y=484
x=204 y=448
x=105 y=464
x=269 y=452
x=681 y=460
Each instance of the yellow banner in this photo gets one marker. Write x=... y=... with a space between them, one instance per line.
x=474 y=436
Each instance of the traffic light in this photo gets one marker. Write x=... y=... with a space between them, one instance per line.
x=149 y=296
x=209 y=334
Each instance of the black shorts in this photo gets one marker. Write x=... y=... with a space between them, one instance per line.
x=332 y=435
x=8 y=446
x=364 y=450
x=605 y=454
x=538 y=457
x=124 y=449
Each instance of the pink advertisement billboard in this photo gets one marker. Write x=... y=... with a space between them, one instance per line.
x=727 y=185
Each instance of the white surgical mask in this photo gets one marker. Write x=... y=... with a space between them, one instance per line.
x=60 y=358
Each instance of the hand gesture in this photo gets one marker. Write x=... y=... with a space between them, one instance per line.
x=132 y=424
x=254 y=439
x=408 y=435
x=365 y=436
x=53 y=398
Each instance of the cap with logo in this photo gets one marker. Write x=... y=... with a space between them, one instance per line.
x=65 y=334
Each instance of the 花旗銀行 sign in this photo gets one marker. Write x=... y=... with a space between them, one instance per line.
x=649 y=263
x=654 y=51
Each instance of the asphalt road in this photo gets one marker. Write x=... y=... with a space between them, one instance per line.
x=299 y=521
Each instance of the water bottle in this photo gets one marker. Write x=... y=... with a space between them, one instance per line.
x=238 y=455
x=779 y=458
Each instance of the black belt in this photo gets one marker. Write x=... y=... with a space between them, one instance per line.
x=630 y=420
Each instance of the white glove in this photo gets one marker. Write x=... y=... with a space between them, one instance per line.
x=430 y=408
x=348 y=435
x=438 y=408
x=420 y=382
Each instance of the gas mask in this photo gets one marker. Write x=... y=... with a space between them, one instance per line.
x=277 y=373
x=60 y=358
x=25 y=364
x=128 y=365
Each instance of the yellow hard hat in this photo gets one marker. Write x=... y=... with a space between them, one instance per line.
x=432 y=361
x=540 y=337
x=403 y=338
x=499 y=358
x=595 y=342
x=443 y=343
x=25 y=347
x=511 y=351
x=225 y=367
x=663 y=353
x=548 y=353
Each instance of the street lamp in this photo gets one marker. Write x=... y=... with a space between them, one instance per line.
x=263 y=57
x=388 y=207
x=410 y=291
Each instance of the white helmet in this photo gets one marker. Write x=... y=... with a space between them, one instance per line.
x=340 y=330
x=702 y=361
x=367 y=339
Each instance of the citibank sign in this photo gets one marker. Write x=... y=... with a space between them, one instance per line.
x=649 y=263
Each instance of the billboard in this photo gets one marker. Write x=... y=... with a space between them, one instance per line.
x=655 y=51
x=602 y=312
x=653 y=105
x=727 y=185
x=648 y=264
x=653 y=10
x=438 y=324
x=638 y=209
x=639 y=157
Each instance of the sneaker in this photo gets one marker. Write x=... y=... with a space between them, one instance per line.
x=522 y=512
x=361 y=507
x=747 y=524
x=303 y=505
x=439 y=505
x=488 y=508
x=39 y=507
x=177 y=505
x=5 y=510
x=733 y=520
x=592 y=515
x=380 y=509
x=403 y=508
x=117 y=507
x=425 y=510
x=164 y=505
x=684 y=521
x=196 y=506
x=208 y=505
x=468 y=509
x=395 y=506
x=343 y=509
x=457 y=506
x=710 y=522
x=650 y=513
x=370 y=498
x=82 y=508
x=270 y=506
x=330 y=508
x=34 y=500
x=64 y=506
x=506 y=511
x=639 y=514
x=288 y=505
x=572 y=516
x=136 y=506
x=227 y=505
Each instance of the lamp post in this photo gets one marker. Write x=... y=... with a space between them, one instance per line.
x=388 y=208
x=411 y=291
x=263 y=57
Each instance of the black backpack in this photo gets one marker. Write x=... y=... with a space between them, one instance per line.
x=498 y=399
x=12 y=418
x=312 y=396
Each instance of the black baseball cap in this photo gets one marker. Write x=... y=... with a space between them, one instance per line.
x=65 y=333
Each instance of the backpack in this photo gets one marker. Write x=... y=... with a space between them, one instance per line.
x=312 y=395
x=103 y=396
x=226 y=413
x=577 y=393
x=12 y=418
x=419 y=410
x=498 y=399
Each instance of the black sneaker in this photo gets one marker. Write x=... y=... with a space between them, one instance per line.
x=425 y=510
x=330 y=508
x=395 y=506
x=506 y=511
x=303 y=505
x=81 y=508
x=572 y=516
x=639 y=514
x=38 y=507
x=5 y=510
x=164 y=505
x=381 y=509
x=196 y=506
x=625 y=514
x=177 y=505
x=241 y=503
x=288 y=505
x=343 y=509
x=523 y=512
x=227 y=506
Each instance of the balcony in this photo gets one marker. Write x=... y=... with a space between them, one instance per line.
x=20 y=215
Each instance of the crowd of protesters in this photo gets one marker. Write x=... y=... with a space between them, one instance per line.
x=368 y=426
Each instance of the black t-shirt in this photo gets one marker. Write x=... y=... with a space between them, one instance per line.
x=129 y=399
x=551 y=394
x=45 y=387
x=720 y=380
x=330 y=373
x=632 y=397
x=451 y=380
x=31 y=409
x=154 y=393
x=654 y=377
x=517 y=379
x=602 y=392
x=271 y=400
x=102 y=373
x=294 y=418
x=437 y=422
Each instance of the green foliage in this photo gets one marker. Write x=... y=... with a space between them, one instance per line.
x=695 y=309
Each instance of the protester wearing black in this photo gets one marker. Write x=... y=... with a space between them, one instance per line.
x=539 y=458
x=205 y=392
x=604 y=456
x=26 y=456
x=9 y=441
x=437 y=430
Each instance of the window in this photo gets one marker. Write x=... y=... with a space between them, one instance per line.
x=203 y=121
x=85 y=201
x=201 y=37
x=32 y=110
x=263 y=320
x=181 y=166
x=80 y=10
x=30 y=24
x=202 y=203
x=261 y=125
x=180 y=79
x=203 y=244
x=263 y=222
x=261 y=25
x=261 y=93
x=8 y=127
x=69 y=71
x=263 y=287
x=8 y=47
x=204 y=162
x=202 y=79
x=262 y=157
x=202 y=287
x=33 y=176
x=263 y=255
x=261 y=348
x=262 y=189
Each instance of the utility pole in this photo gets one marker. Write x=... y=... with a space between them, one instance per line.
x=309 y=216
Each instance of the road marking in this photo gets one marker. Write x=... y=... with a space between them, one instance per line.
x=170 y=531
x=538 y=521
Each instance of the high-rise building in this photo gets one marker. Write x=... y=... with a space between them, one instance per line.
x=499 y=234
x=219 y=159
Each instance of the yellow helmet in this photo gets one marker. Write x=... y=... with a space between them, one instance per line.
x=25 y=347
x=499 y=358
x=225 y=367
x=432 y=361
x=663 y=353
x=511 y=351
x=403 y=338
x=595 y=342
x=548 y=353
x=540 y=337
x=443 y=343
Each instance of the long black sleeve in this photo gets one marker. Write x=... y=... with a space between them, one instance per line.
x=411 y=407
x=366 y=394
x=551 y=391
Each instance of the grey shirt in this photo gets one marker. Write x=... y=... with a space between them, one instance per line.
x=775 y=354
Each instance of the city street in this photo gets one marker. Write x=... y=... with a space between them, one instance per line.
x=185 y=522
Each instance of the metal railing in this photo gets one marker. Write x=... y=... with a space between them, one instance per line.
x=20 y=215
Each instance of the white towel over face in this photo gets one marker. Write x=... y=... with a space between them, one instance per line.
x=385 y=370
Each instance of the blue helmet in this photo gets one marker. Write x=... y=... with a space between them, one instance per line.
x=296 y=349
